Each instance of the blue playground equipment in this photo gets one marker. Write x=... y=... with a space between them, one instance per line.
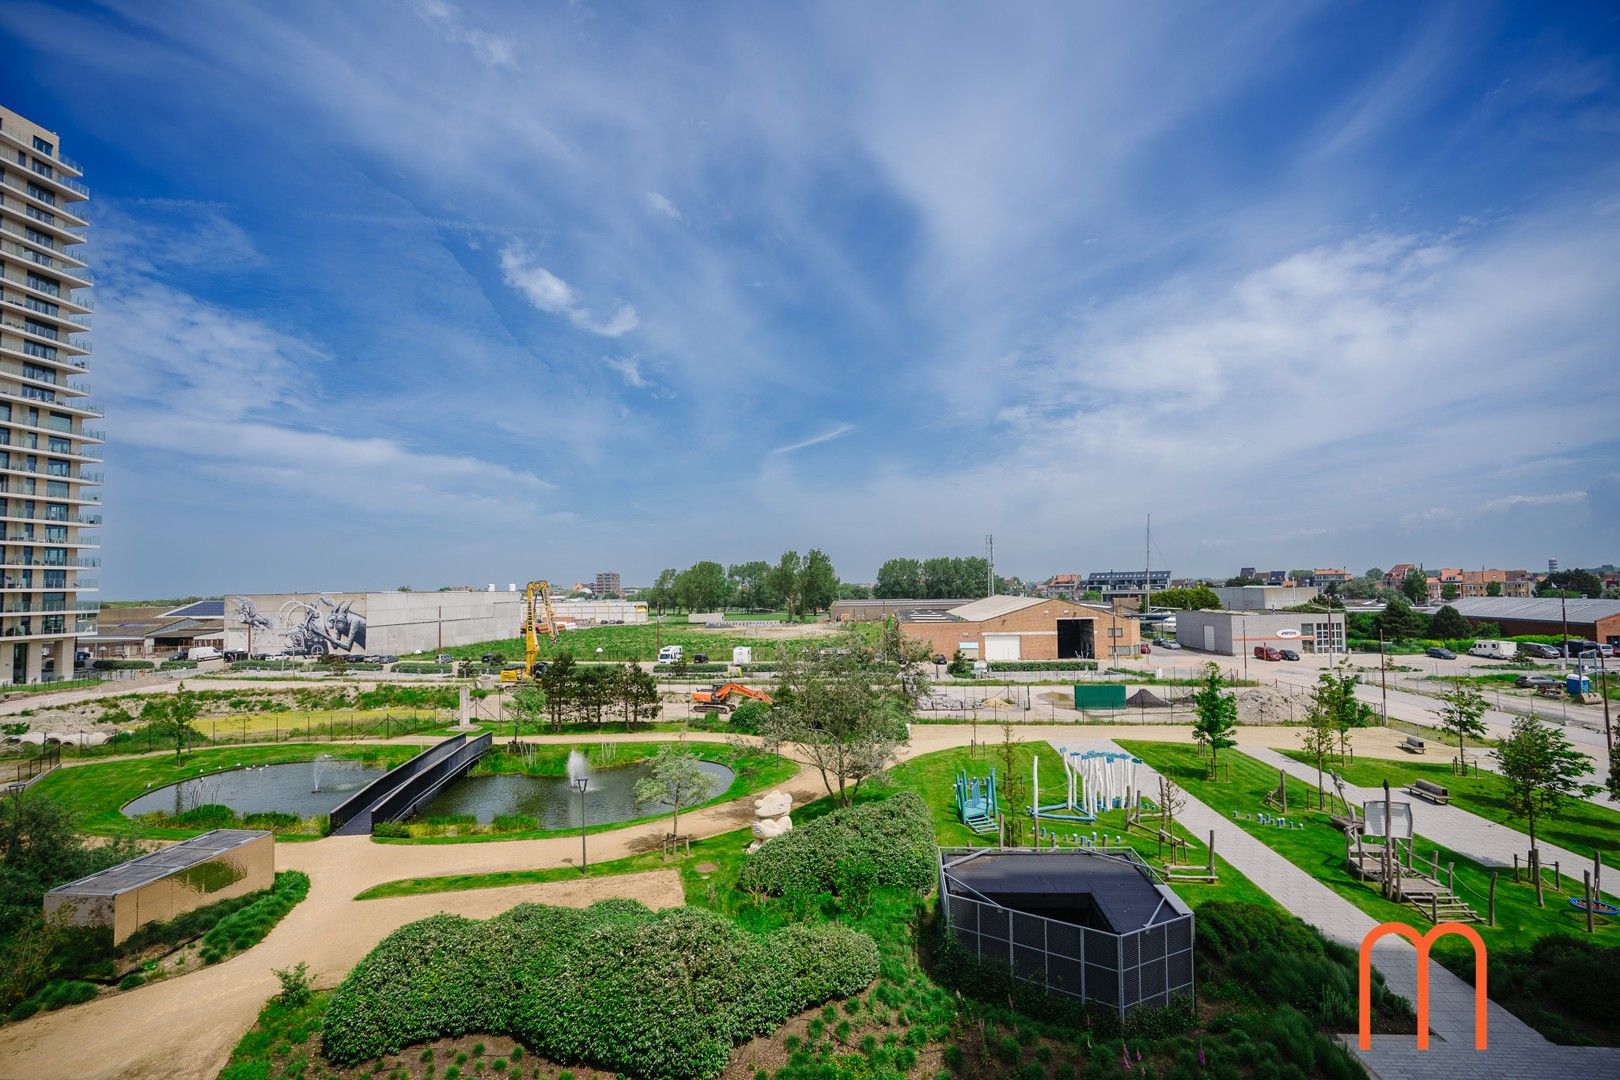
x=976 y=801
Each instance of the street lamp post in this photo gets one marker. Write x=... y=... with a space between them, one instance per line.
x=580 y=783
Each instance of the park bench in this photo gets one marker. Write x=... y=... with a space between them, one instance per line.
x=1432 y=792
x=1413 y=745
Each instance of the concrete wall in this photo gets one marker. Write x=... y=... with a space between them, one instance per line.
x=1265 y=597
x=243 y=869
x=1232 y=633
x=395 y=622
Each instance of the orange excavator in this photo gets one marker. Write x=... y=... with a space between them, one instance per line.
x=717 y=698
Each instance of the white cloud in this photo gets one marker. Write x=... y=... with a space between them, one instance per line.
x=553 y=295
x=816 y=440
x=662 y=204
x=629 y=369
x=492 y=49
x=1513 y=502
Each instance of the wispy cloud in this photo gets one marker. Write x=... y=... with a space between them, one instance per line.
x=553 y=295
x=662 y=205
x=629 y=369
x=1513 y=502
x=492 y=49
x=816 y=440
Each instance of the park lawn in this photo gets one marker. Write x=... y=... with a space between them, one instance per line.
x=930 y=775
x=755 y=770
x=96 y=793
x=1583 y=826
x=1319 y=850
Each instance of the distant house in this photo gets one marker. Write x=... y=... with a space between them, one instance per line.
x=1063 y=585
x=1396 y=575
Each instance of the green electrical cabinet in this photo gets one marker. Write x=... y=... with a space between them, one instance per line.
x=1099 y=696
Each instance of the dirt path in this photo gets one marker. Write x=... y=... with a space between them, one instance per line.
x=185 y=1027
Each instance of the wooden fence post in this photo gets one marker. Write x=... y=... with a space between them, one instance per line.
x=1515 y=868
x=1589 y=904
x=1492 y=911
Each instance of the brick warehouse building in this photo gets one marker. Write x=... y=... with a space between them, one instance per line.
x=1024 y=628
x=1595 y=620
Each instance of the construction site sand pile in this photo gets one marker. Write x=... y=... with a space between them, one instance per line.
x=1264 y=705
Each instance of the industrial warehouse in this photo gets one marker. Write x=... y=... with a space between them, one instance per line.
x=1024 y=628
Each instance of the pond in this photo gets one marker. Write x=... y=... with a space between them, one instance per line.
x=305 y=788
x=610 y=796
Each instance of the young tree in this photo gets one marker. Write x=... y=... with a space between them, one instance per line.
x=1460 y=715
x=1319 y=734
x=840 y=707
x=661 y=593
x=818 y=582
x=786 y=580
x=593 y=691
x=169 y=718
x=560 y=685
x=1217 y=716
x=1493 y=588
x=1448 y=624
x=1450 y=591
x=675 y=778
x=1541 y=769
x=1335 y=694
x=526 y=706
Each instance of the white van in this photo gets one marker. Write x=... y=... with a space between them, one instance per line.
x=202 y=652
x=671 y=654
x=1496 y=650
x=742 y=654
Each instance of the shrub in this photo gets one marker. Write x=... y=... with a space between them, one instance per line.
x=1043 y=665
x=422 y=669
x=397 y=830
x=177 y=665
x=131 y=981
x=247 y=926
x=123 y=665
x=895 y=835
x=746 y=717
x=661 y=996
x=296 y=986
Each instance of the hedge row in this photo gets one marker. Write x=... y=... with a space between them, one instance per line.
x=177 y=665
x=247 y=927
x=268 y=665
x=423 y=669
x=662 y=996
x=124 y=665
x=1043 y=665
x=894 y=837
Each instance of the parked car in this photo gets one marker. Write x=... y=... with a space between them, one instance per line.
x=181 y=655
x=939 y=658
x=444 y=658
x=1439 y=654
x=1166 y=643
x=1535 y=682
x=1288 y=654
x=1576 y=646
x=233 y=655
x=385 y=659
x=700 y=658
x=1266 y=652
x=1538 y=650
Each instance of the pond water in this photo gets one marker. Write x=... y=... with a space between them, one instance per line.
x=610 y=796
x=306 y=788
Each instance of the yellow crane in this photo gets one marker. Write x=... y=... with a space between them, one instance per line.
x=531 y=637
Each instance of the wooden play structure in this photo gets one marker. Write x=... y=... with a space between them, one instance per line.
x=1391 y=864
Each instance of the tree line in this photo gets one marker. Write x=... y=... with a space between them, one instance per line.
x=798 y=584
x=956 y=577
x=571 y=693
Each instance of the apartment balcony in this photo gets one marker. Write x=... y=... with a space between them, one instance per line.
x=32 y=396
x=18 y=587
x=18 y=279
x=47 y=219
x=19 y=489
x=14 y=182
x=15 y=632
x=43 y=381
x=59 y=249
x=77 y=365
x=11 y=563
x=38 y=341
x=39 y=541
x=71 y=189
x=30 y=308
x=81 y=521
x=79 y=277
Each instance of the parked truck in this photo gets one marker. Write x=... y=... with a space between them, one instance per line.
x=1495 y=650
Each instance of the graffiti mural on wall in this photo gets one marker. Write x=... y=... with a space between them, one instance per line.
x=318 y=624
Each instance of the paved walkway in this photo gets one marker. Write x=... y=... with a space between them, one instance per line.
x=1451 y=1001
x=1486 y=842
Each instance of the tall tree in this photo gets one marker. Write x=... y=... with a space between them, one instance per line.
x=702 y=586
x=940 y=578
x=786 y=579
x=1493 y=588
x=1198 y=598
x=1398 y=622
x=1541 y=770
x=1571 y=583
x=1415 y=586
x=1461 y=714
x=840 y=706
x=637 y=694
x=899 y=579
x=1217 y=716
x=661 y=593
x=749 y=584
x=1448 y=623
x=526 y=706
x=818 y=582
x=1375 y=574
x=560 y=683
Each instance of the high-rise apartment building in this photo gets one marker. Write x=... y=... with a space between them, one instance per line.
x=607 y=584
x=47 y=505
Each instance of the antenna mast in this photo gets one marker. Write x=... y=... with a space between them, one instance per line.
x=990 y=560
x=1147 y=559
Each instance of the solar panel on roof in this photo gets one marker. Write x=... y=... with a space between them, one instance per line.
x=202 y=609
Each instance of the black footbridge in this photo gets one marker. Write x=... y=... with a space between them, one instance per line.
x=396 y=794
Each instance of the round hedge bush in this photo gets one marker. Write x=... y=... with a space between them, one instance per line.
x=657 y=995
x=895 y=837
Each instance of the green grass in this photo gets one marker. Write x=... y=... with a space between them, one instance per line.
x=96 y=793
x=1319 y=850
x=50 y=688
x=930 y=776
x=755 y=771
x=1582 y=827
x=638 y=642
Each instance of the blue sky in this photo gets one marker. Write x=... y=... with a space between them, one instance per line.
x=442 y=293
